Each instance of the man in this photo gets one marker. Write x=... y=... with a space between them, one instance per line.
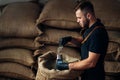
x=93 y=50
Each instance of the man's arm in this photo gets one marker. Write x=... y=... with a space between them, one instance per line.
x=76 y=41
x=87 y=63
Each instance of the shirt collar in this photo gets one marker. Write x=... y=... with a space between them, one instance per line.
x=97 y=23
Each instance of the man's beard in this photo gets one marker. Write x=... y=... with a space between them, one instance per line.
x=86 y=24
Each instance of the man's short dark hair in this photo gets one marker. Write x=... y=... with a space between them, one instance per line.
x=85 y=6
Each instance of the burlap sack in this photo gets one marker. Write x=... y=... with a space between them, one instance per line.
x=114 y=36
x=71 y=52
x=118 y=56
x=43 y=1
x=18 y=20
x=17 y=71
x=3 y=2
x=5 y=78
x=52 y=36
x=60 y=14
x=0 y=11
x=113 y=47
x=19 y=43
x=22 y=56
x=112 y=68
x=109 y=13
x=111 y=77
x=112 y=51
x=47 y=71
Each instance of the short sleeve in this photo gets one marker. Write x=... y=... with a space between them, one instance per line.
x=98 y=41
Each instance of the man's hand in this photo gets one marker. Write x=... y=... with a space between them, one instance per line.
x=60 y=65
x=64 y=40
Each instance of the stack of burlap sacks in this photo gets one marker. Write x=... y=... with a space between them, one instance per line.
x=57 y=20
x=17 y=34
x=109 y=11
x=19 y=42
x=54 y=25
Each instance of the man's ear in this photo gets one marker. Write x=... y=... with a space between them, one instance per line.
x=88 y=16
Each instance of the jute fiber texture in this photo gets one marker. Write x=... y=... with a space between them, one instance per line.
x=47 y=71
x=52 y=35
x=112 y=68
x=3 y=2
x=22 y=56
x=114 y=36
x=18 y=20
x=0 y=11
x=59 y=14
x=70 y=54
x=113 y=51
x=17 y=71
x=19 y=43
x=109 y=13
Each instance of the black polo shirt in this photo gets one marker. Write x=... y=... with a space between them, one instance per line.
x=97 y=43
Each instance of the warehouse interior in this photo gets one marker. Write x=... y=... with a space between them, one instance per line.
x=31 y=28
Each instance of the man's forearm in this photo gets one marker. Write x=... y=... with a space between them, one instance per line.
x=76 y=41
x=87 y=63
x=80 y=65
